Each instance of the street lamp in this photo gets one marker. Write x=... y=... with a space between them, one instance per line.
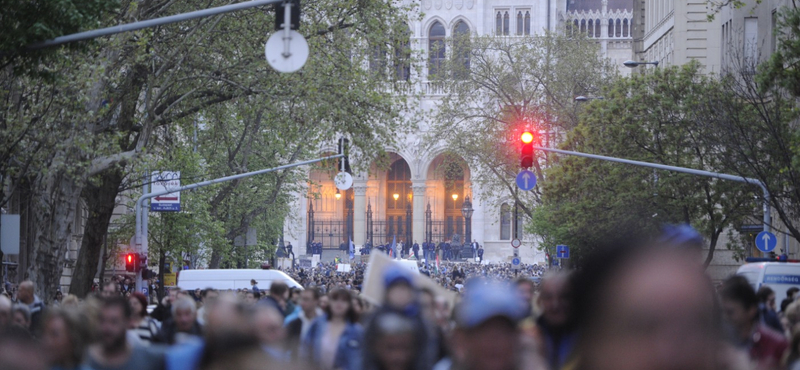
x=338 y=195
x=582 y=98
x=633 y=64
x=466 y=211
x=455 y=197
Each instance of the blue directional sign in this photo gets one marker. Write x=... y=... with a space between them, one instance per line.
x=766 y=241
x=516 y=261
x=526 y=180
x=562 y=251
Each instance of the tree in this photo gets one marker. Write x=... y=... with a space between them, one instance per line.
x=133 y=85
x=498 y=87
x=660 y=117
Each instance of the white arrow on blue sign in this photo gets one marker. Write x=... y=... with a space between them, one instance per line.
x=562 y=251
x=526 y=180
x=766 y=241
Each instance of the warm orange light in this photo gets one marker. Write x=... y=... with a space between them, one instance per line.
x=130 y=258
x=526 y=137
x=396 y=196
x=337 y=195
x=455 y=197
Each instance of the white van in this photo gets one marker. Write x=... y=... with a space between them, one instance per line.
x=780 y=276
x=232 y=279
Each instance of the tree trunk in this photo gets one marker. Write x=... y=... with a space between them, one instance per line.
x=55 y=198
x=100 y=201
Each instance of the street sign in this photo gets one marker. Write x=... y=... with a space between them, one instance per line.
x=144 y=291
x=766 y=241
x=526 y=180
x=286 y=52
x=343 y=180
x=515 y=263
x=516 y=243
x=562 y=251
x=165 y=181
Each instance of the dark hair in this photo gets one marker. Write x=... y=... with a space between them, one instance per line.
x=791 y=291
x=337 y=293
x=278 y=288
x=763 y=293
x=314 y=291
x=77 y=325
x=388 y=322
x=118 y=301
x=205 y=292
x=142 y=300
x=738 y=289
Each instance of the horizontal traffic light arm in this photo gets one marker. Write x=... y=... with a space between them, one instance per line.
x=691 y=171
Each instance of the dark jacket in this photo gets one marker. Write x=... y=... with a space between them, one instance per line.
x=348 y=353
x=168 y=332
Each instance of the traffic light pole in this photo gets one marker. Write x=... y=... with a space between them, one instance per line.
x=722 y=176
x=141 y=227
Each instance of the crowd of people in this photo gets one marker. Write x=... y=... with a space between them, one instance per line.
x=635 y=304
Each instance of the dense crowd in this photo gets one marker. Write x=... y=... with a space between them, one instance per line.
x=635 y=304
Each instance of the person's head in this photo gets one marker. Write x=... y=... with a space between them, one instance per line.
x=184 y=312
x=115 y=315
x=309 y=300
x=21 y=315
x=791 y=294
x=59 y=296
x=109 y=289
x=641 y=305
x=65 y=335
x=250 y=298
x=5 y=311
x=486 y=335
x=268 y=324
x=554 y=299
x=739 y=302
x=394 y=342
x=19 y=351
x=278 y=290
x=70 y=300
x=526 y=288
x=400 y=292
x=766 y=296
x=138 y=303
x=25 y=293
x=427 y=305
x=209 y=295
x=341 y=305
x=172 y=295
x=324 y=302
x=253 y=282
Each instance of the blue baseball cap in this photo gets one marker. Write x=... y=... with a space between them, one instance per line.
x=485 y=301
x=395 y=275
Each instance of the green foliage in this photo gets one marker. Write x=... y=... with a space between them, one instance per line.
x=783 y=67
x=660 y=117
x=23 y=23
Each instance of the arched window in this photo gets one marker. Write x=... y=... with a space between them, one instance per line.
x=505 y=222
x=625 y=32
x=506 y=23
x=498 y=24
x=461 y=50
x=377 y=60
x=519 y=23
x=575 y=27
x=610 y=28
x=527 y=23
x=583 y=26
x=618 y=33
x=597 y=28
x=436 y=49
x=591 y=28
x=402 y=54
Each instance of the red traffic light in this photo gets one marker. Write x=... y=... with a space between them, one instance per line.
x=526 y=137
x=130 y=258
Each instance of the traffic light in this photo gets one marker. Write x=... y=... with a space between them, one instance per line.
x=526 y=153
x=130 y=262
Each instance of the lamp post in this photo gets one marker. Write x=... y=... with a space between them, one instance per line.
x=466 y=211
x=634 y=64
x=428 y=223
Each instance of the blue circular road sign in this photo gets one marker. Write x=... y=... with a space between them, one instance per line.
x=526 y=180
x=766 y=241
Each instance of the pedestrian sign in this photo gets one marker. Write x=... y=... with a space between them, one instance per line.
x=526 y=180
x=562 y=251
x=766 y=241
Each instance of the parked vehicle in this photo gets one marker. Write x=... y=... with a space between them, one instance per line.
x=222 y=279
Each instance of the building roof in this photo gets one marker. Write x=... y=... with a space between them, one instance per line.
x=587 y=5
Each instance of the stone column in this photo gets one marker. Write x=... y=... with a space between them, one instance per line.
x=359 y=213
x=418 y=188
x=604 y=29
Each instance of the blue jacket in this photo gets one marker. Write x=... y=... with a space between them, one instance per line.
x=348 y=353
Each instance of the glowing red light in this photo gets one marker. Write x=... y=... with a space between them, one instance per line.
x=130 y=258
x=526 y=137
